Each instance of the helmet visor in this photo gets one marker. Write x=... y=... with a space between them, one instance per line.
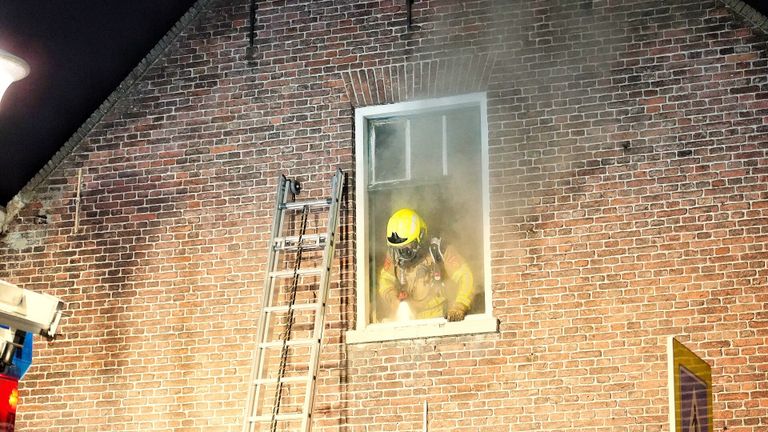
x=407 y=252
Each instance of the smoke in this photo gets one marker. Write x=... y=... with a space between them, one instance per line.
x=429 y=162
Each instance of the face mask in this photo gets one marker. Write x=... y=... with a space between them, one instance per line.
x=406 y=253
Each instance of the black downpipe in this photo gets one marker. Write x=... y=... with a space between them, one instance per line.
x=409 y=9
x=252 y=34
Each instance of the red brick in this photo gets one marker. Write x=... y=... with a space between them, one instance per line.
x=628 y=171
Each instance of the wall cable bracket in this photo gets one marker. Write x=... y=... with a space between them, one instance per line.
x=77 y=199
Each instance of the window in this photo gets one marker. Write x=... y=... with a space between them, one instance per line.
x=430 y=156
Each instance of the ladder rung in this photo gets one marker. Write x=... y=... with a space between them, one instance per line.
x=305 y=237
x=300 y=272
x=304 y=247
x=300 y=204
x=300 y=342
x=292 y=242
x=279 y=417
x=286 y=308
x=294 y=379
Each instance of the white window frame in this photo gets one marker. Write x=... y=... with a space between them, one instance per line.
x=372 y=332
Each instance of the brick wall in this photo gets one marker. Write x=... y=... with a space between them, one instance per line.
x=629 y=182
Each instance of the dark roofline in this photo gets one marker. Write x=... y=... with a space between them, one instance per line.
x=749 y=14
x=20 y=199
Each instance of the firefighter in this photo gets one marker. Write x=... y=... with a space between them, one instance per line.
x=433 y=280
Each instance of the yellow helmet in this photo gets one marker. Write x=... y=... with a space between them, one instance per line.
x=405 y=228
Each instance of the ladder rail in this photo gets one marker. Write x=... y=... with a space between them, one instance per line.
x=289 y=327
x=277 y=245
x=258 y=362
x=337 y=186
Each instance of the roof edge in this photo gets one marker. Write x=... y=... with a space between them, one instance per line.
x=22 y=197
x=748 y=13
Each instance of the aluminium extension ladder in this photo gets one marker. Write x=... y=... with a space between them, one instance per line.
x=292 y=319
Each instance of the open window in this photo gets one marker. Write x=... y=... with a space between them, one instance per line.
x=430 y=156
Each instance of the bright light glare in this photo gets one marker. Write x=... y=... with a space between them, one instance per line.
x=12 y=69
x=13 y=399
x=404 y=312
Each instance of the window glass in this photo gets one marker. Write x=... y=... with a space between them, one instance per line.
x=429 y=162
x=427 y=146
x=389 y=152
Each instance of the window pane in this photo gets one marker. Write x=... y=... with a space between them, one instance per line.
x=388 y=151
x=463 y=137
x=427 y=147
x=465 y=227
x=451 y=205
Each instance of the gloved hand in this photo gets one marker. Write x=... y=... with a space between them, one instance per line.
x=456 y=312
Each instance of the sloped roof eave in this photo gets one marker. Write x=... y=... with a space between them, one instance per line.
x=748 y=13
x=24 y=195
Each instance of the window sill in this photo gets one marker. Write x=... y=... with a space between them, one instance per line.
x=380 y=332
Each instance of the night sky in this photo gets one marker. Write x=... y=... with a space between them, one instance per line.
x=760 y=5
x=79 y=51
